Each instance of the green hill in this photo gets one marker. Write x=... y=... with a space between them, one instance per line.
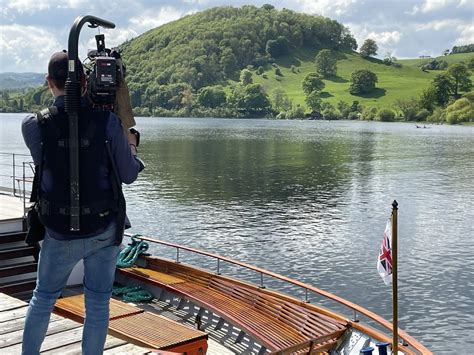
x=211 y=47
x=450 y=59
x=394 y=82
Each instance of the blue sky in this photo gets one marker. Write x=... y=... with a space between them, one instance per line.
x=30 y=30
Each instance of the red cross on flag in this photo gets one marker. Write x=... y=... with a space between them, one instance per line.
x=384 y=262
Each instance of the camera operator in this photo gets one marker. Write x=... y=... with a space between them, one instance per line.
x=103 y=148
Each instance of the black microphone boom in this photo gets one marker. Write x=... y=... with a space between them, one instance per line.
x=71 y=105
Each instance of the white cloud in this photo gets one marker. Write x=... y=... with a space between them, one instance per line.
x=439 y=25
x=325 y=7
x=26 y=48
x=34 y=6
x=146 y=20
x=29 y=6
x=466 y=36
x=434 y=5
x=386 y=38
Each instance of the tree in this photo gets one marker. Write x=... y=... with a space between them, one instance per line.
x=443 y=86
x=460 y=74
x=470 y=64
x=278 y=47
x=280 y=100
x=246 y=77
x=343 y=108
x=389 y=58
x=427 y=98
x=228 y=62
x=461 y=110
x=250 y=100
x=369 y=48
x=446 y=52
x=268 y=7
x=314 y=101
x=408 y=108
x=362 y=81
x=187 y=99
x=326 y=64
x=211 y=96
x=312 y=82
x=385 y=115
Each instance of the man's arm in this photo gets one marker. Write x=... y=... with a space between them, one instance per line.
x=124 y=152
x=32 y=137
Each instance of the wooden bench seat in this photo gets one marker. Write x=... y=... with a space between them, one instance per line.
x=277 y=322
x=139 y=327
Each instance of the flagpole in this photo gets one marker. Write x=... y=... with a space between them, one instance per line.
x=394 y=278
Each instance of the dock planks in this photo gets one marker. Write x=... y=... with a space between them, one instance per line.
x=63 y=336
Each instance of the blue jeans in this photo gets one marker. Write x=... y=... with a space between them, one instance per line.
x=57 y=259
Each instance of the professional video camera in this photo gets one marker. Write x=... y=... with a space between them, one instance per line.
x=105 y=72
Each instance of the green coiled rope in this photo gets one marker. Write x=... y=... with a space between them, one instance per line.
x=132 y=293
x=130 y=254
x=127 y=258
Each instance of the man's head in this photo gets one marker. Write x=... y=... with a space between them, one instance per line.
x=58 y=71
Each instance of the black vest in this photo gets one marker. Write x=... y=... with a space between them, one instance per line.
x=98 y=204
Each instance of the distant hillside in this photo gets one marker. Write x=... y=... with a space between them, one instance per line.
x=450 y=59
x=212 y=46
x=406 y=81
x=11 y=81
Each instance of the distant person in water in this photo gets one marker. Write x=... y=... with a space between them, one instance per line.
x=103 y=144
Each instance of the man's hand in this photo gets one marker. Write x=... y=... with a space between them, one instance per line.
x=136 y=137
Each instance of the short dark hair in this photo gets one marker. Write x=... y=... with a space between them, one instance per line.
x=58 y=68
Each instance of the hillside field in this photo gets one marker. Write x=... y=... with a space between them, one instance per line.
x=393 y=83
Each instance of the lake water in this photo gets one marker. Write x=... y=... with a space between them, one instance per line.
x=310 y=200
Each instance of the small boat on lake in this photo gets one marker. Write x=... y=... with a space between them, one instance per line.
x=204 y=302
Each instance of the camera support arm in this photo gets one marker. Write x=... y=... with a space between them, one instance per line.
x=71 y=105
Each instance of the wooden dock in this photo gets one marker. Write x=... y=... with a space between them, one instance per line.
x=63 y=336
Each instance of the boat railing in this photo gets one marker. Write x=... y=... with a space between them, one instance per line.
x=354 y=308
x=16 y=175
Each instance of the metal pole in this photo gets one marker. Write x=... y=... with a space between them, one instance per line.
x=71 y=105
x=14 y=192
x=395 y=277
x=24 y=189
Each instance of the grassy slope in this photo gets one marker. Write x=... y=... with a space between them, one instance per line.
x=393 y=83
x=453 y=58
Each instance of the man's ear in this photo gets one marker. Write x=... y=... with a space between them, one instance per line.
x=50 y=82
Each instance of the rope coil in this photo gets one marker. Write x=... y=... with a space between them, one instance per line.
x=130 y=254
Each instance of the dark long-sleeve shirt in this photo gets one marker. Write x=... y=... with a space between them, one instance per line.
x=128 y=165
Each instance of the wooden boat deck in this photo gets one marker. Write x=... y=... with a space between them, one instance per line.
x=140 y=327
x=63 y=336
x=281 y=324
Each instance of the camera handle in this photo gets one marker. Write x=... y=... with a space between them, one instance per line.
x=71 y=105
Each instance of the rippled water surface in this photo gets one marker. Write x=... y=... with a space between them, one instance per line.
x=310 y=200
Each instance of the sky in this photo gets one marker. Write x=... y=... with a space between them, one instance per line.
x=31 y=30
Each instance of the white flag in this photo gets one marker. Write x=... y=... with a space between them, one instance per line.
x=384 y=262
